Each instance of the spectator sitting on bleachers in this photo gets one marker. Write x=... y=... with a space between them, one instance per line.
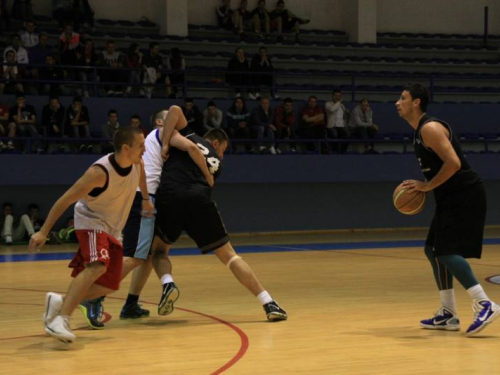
x=108 y=130
x=83 y=14
x=62 y=11
x=313 y=123
x=5 y=130
x=38 y=53
x=261 y=20
x=114 y=61
x=243 y=19
x=21 y=55
x=193 y=116
x=284 y=20
x=133 y=61
x=53 y=118
x=337 y=121
x=13 y=228
x=136 y=122
x=212 y=117
x=362 y=126
x=52 y=73
x=29 y=38
x=22 y=117
x=238 y=72
x=175 y=79
x=225 y=15
x=152 y=63
x=262 y=69
x=284 y=121
x=238 y=121
x=10 y=72
x=69 y=42
x=78 y=123
x=263 y=127
x=87 y=57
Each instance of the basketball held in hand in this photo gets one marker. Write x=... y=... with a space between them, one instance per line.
x=408 y=202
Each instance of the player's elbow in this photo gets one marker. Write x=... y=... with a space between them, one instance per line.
x=455 y=164
x=175 y=109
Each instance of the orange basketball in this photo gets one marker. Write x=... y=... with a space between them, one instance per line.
x=408 y=203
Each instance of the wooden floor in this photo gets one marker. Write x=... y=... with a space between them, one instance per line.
x=350 y=312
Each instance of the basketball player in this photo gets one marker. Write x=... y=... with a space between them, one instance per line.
x=184 y=203
x=104 y=195
x=456 y=232
x=139 y=230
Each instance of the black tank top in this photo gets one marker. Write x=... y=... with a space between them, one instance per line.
x=430 y=163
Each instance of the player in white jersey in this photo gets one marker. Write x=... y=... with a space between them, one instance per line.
x=104 y=195
x=139 y=230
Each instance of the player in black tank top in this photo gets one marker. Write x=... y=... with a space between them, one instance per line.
x=456 y=231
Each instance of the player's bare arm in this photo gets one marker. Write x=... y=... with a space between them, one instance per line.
x=436 y=137
x=147 y=206
x=175 y=118
x=93 y=178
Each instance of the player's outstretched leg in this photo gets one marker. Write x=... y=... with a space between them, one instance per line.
x=132 y=309
x=163 y=268
x=245 y=275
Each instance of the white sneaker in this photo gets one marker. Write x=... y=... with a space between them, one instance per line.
x=53 y=305
x=8 y=240
x=252 y=96
x=262 y=148
x=278 y=151
x=59 y=328
x=257 y=95
x=272 y=150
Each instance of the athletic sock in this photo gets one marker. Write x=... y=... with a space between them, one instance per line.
x=448 y=299
x=264 y=297
x=477 y=292
x=167 y=278
x=132 y=299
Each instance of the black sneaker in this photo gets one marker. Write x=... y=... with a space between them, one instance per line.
x=92 y=311
x=169 y=295
x=133 y=311
x=275 y=313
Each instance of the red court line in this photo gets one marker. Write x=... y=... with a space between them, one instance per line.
x=243 y=337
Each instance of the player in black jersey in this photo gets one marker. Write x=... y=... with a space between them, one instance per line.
x=184 y=203
x=457 y=228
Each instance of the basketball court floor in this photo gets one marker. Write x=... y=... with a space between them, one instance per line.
x=354 y=301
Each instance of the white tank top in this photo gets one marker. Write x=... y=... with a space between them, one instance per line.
x=109 y=210
x=153 y=163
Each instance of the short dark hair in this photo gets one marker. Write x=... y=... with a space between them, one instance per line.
x=188 y=100
x=77 y=99
x=110 y=42
x=417 y=91
x=111 y=111
x=125 y=136
x=20 y=94
x=364 y=100
x=211 y=103
x=288 y=100
x=153 y=45
x=161 y=114
x=136 y=116
x=216 y=134
x=312 y=97
x=7 y=204
x=336 y=91
x=280 y=2
x=10 y=51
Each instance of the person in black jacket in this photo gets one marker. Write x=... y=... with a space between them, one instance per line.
x=238 y=72
x=262 y=68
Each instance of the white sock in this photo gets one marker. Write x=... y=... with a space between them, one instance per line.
x=448 y=299
x=264 y=297
x=167 y=278
x=477 y=292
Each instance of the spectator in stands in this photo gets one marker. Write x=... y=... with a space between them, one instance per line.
x=38 y=53
x=5 y=130
x=34 y=215
x=83 y=14
x=87 y=57
x=262 y=125
x=243 y=19
x=284 y=20
x=313 y=123
x=337 y=121
x=114 y=61
x=78 y=123
x=136 y=122
x=10 y=72
x=262 y=69
x=62 y=11
x=152 y=63
x=5 y=19
x=13 y=228
x=261 y=20
x=133 y=61
x=53 y=118
x=69 y=42
x=177 y=65
x=238 y=121
x=284 y=121
x=52 y=73
x=22 y=117
x=29 y=38
x=362 y=126
x=212 y=117
x=193 y=116
x=238 y=72
x=225 y=15
x=109 y=129
x=22 y=58
x=22 y=10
